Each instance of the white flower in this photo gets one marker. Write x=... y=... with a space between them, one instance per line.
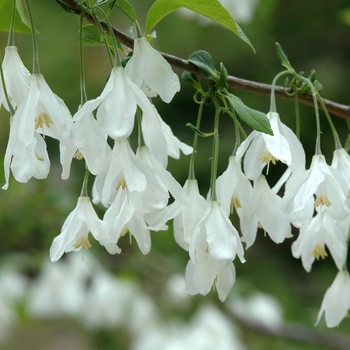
x=117 y=105
x=200 y=277
x=186 y=215
x=321 y=231
x=322 y=181
x=91 y=142
x=121 y=218
x=17 y=78
x=260 y=149
x=151 y=72
x=336 y=301
x=25 y=162
x=266 y=210
x=341 y=162
x=215 y=235
x=121 y=169
x=41 y=112
x=190 y=215
x=160 y=139
x=74 y=234
x=234 y=191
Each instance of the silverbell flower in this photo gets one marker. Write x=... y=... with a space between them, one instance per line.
x=261 y=149
x=41 y=112
x=320 y=232
x=117 y=105
x=17 y=78
x=336 y=301
x=201 y=277
x=148 y=69
x=75 y=231
x=322 y=184
x=215 y=237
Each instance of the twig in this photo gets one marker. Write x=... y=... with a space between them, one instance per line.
x=337 y=109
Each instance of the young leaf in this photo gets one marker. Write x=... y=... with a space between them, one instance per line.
x=191 y=78
x=255 y=119
x=211 y=9
x=92 y=36
x=127 y=9
x=283 y=58
x=205 y=63
x=21 y=21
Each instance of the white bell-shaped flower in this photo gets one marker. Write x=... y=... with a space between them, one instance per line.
x=117 y=104
x=260 y=149
x=148 y=69
x=17 y=78
x=266 y=210
x=201 y=277
x=160 y=139
x=320 y=232
x=215 y=235
x=91 y=142
x=75 y=231
x=321 y=181
x=336 y=301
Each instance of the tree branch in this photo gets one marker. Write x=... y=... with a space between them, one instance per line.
x=337 y=109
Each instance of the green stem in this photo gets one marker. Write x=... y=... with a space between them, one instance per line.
x=273 y=99
x=83 y=95
x=141 y=141
x=11 y=38
x=36 y=67
x=116 y=61
x=138 y=32
x=191 y=172
x=317 y=115
x=84 y=189
x=337 y=142
x=297 y=112
x=215 y=151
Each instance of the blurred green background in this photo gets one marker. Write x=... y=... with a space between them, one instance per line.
x=314 y=35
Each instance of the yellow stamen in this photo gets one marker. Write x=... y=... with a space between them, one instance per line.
x=322 y=200
x=319 y=252
x=38 y=157
x=82 y=241
x=267 y=157
x=124 y=232
x=78 y=155
x=121 y=183
x=42 y=119
x=235 y=203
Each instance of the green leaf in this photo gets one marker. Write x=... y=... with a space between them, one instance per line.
x=211 y=9
x=205 y=63
x=255 y=119
x=191 y=78
x=92 y=36
x=127 y=9
x=21 y=21
x=283 y=58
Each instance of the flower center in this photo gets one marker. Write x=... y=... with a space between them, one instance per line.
x=78 y=155
x=82 y=241
x=267 y=157
x=121 y=184
x=319 y=252
x=322 y=200
x=42 y=119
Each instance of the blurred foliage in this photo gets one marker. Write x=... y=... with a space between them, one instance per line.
x=314 y=36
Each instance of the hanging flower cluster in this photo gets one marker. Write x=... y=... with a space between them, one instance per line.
x=135 y=187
